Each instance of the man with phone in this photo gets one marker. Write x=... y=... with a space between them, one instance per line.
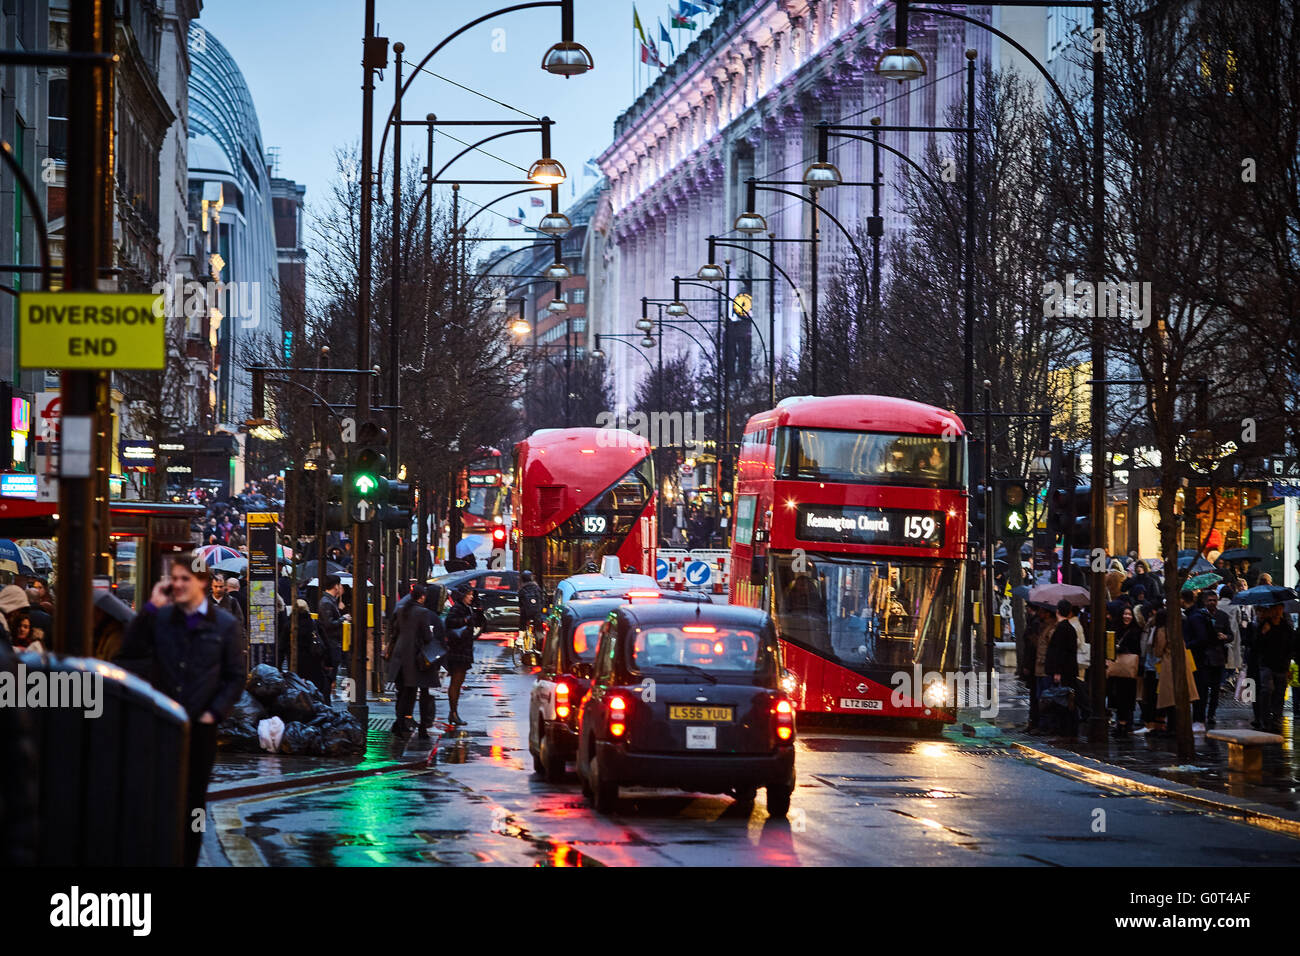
x=192 y=651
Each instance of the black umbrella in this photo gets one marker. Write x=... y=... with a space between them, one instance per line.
x=1240 y=554
x=1264 y=594
x=310 y=567
x=1194 y=564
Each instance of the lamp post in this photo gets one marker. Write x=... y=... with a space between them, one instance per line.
x=566 y=58
x=904 y=67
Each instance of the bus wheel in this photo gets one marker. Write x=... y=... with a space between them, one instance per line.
x=930 y=728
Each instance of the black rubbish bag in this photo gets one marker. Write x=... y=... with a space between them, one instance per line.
x=344 y=740
x=294 y=701
x=250 y=708
x=266 y=684
x=238 y=734
x=300 y=738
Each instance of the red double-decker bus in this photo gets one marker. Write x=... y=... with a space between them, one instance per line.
x=851 y=531
x=483 y=492
x=582 y=494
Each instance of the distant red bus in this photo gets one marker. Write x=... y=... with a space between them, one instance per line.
x=850 y=529
x=582 y=494
x=483 y=492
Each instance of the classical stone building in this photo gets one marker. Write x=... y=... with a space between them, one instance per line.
x=743 y=101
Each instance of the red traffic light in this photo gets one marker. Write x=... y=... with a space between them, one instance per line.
x=498 y=535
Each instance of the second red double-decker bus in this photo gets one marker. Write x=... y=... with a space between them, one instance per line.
x=582 y=494
x=483 y=492
x=851 y=530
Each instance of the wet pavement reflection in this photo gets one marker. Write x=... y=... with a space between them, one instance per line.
x=885 y=800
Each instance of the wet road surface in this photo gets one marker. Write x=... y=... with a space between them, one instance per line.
x=860 y=800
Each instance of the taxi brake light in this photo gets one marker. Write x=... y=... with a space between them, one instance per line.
x=562 y=708
x=783 y=712
x=700 y=629
x=618 y=704
x=643 y=594
x=617 y=729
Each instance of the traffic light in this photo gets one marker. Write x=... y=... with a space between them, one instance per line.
x=978 y=512
x=395 y=513
x=1071 y=515
x=498 y=537
x=1012 y=498
x=368 y=472
x=311 y=503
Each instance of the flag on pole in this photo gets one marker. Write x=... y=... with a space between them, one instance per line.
x=515 y=222
x=636 y=25
x=682 y=18
x=522 y=215
x=536 y=201
x=592 y=167
x=650 y=55
x=665 y=38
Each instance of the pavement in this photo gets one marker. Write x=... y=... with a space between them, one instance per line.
x=1276 y=789
x=469 y=797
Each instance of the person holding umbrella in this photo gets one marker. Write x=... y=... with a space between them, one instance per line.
x=1272 y=641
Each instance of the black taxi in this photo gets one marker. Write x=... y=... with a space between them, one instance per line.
x=687 y=696
x=565 y=669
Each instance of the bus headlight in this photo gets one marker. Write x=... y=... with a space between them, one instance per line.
x=935 y=694
x=789 y=681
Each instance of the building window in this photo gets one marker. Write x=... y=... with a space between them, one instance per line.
x=577 y=296
x=58 y=118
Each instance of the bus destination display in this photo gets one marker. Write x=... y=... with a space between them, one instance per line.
x=890 y=527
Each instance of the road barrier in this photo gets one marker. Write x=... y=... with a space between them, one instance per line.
x=670 y=569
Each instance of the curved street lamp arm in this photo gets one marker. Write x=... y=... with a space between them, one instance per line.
x=517 y=192
x=862 y=262
x=392 y=112
x=624 y=339
x=1074 y=122
x=38 y=213
x=486 y=139
x=769 y=261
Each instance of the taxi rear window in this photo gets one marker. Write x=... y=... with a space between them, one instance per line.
x=585 y=638
x=697 y=647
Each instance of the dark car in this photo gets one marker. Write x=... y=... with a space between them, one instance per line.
x=567 y=664
x=687 y=696
x=496 y=596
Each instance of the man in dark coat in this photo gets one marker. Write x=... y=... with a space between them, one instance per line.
x=416 y=627
x=329 y=621
x=1271 y=640
x=193 y=652
x=1060 y=665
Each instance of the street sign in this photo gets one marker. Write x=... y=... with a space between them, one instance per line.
x=91 y=330
x=364 y=511
x=661 y=569
x=698 y=574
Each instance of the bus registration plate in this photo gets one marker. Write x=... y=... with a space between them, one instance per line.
x=856 y=703
x=690 y=712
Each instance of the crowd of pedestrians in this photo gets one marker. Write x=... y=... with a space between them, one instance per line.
x=1246 y=652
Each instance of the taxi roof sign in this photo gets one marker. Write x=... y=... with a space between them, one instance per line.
x=91 y=330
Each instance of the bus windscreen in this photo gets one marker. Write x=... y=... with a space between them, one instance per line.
x=823 y=454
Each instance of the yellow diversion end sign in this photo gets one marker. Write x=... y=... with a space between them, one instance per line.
x=91 y=330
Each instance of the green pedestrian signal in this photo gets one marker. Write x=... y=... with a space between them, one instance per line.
x=368 y=473
x=1013 y=497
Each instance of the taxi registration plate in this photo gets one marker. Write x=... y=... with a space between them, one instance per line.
x=691 y=712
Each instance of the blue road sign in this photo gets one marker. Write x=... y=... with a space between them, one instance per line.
x=698 y=573
x=661 y=569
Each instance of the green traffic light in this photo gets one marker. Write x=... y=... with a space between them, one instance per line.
x=365 y=484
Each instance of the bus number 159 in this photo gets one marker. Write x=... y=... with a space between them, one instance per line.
x=915 y=526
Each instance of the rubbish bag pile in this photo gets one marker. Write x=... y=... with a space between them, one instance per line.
x=283 y=713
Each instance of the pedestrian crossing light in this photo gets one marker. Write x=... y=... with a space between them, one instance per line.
x=1013 y=498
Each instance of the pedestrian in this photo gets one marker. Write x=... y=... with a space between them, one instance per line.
x=42 y=623
x=329 y=622
x=12 y=599
x=237 y=596
x=1272 y=639
x=408 y=665
x=1122 y=672
x=1059 y=668
x=1166 y=702
x=1033 y=648
x=1215 y=658
x=531 y=604
x=191 y=650
x=460 y=647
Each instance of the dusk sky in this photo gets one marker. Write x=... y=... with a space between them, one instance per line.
x=309 y=112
